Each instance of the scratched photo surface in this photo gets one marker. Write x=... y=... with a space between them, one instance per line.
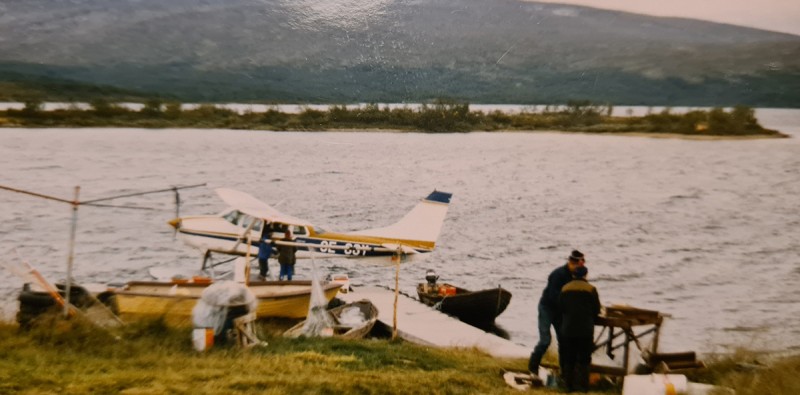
x=703 y=230
x=706 y=231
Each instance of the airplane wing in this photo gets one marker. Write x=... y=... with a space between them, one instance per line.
x=256 y=208
x=395 y=247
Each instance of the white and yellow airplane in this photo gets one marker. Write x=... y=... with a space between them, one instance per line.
x=240 y=227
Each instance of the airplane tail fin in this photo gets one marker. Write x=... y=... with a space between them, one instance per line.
x=422 y=224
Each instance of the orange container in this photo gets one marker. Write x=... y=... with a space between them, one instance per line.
x=201 y=280
x=203 y=338
x=447 y=290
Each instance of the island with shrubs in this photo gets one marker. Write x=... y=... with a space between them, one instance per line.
x=438 y=117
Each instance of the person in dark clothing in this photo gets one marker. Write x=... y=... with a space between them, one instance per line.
x=264 y=252
x=579 y=303
x=549 y=313
x=286 y=256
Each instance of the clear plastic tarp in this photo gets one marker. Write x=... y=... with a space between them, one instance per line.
x=217 y=299
x=318 y=322
x=352 y=316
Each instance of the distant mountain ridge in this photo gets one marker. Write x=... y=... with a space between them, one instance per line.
x=397 y=50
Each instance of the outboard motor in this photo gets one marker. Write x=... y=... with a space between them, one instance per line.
x=431 y=276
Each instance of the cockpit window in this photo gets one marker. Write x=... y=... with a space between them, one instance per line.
x=297 y=230
x=245 y=221
x=232 y=216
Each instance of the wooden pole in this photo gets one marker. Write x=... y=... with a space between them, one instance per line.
x=657 y=334
x=71 y=255
x=396 y=259
x=50 y=289
x=247 y=260
x=627 y=352
x=75 y=203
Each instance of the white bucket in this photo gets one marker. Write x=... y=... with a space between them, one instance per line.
x=655 y=384
x=203 y=338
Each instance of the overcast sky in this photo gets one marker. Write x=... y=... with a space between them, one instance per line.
x=777 y=15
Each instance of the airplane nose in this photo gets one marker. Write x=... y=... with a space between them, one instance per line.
x=175 y=223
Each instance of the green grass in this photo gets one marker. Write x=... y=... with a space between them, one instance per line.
x=752 y=373
x=69 y=357
x=151 y=358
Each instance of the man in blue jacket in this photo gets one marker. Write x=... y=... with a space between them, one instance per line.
x=549 y=313
x=264 y=252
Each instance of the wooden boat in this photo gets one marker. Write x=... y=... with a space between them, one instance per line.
x=478 y=308
x=175 y=300
x=341 y=328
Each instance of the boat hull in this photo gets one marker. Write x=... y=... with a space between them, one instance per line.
x=478 y=308
x=174 y=302
x=340 y=330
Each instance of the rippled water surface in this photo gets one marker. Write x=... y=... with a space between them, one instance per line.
x=707 y=231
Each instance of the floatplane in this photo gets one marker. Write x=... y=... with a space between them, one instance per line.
x=238 y=230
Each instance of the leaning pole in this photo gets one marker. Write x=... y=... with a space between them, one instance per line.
x=71 y=254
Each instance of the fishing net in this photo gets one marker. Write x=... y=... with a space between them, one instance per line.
x=318 y=322
x=352 y=316
x=220 y=302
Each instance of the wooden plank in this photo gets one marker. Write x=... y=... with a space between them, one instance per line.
x=679 y=365
x=631 y=312
x=608 y=370
x=672 y=357
x=625 y=322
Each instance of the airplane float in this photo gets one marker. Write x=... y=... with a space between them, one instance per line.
x=238 y=231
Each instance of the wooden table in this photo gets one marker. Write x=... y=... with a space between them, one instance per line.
x=621 y=326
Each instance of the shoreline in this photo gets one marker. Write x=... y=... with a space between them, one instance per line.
x=677 y=136
x=699 y=137
x=653 y=135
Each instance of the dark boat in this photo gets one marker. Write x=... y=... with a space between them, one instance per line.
x=478 y=308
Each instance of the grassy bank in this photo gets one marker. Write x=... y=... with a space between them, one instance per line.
x=151 y=358
x=752 y=373
x=155 y=359
x=578 y=116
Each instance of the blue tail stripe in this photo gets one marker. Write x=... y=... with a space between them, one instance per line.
x=441 y=197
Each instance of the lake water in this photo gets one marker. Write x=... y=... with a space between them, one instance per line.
x=707 y=231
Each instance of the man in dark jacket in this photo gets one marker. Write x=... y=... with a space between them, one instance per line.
x=286 y=256
x=579 y=304
x=549 y=314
